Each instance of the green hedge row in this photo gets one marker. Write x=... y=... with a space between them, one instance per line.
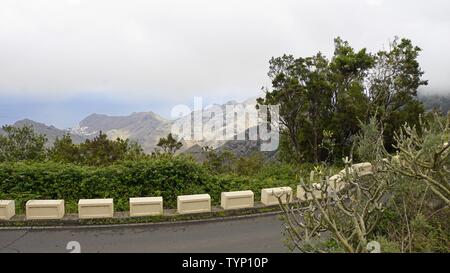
x=166 y=177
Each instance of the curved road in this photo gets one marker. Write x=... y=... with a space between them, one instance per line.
x=257 y=234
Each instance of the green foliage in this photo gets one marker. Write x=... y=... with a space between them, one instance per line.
x=414 y=221
x=369 y=141
x=388 y=246
x=65 y=151
x=169 y=144
x=429 y=237
x=393 y=88
x=166 y=176
x=417 y=216
x=320 y=98
x=425 y=155
x=163 y=176
x=219 y=162
x=21 y=143
x=226 y=162
x=250 y=165
x=99 y=151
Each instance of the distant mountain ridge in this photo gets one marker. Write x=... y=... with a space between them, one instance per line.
x=147 y=128
x=51 y=132
x=144 y=127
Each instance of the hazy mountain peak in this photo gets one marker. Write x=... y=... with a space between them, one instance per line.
x=50 y=132
x=27 y=121
x=144 y=127
x=250 y=101
x=231 y=102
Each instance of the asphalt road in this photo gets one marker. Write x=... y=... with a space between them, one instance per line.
x=258 y=234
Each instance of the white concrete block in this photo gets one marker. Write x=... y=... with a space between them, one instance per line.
x=269 y=195
x=146 y=206
x=196 y=203
x=336 y=182
x=364 y=168
x=7 y=209
x=237 y=199
x=302 y=195
x=44 y=209
x=95 y=208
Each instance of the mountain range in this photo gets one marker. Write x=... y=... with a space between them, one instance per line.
x=147 y=128
x=50 y=132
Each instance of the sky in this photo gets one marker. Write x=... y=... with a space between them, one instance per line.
x=61 y=60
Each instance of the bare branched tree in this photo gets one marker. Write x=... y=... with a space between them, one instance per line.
x=343 y=209
x=341 y=212
x=425 y=155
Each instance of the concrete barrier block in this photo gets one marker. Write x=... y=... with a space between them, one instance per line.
x=95 y=208
x=302 y=195
x=361 y=169
x=196 y=203
x=146 y=206
x=269 y=195
x=336 y=182
x=237 y=199
x=343 y=172
x=364 y=168
x=44 y=209
x=7 y=209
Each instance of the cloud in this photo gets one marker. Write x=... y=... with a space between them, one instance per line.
x=172 y=50
x=374 y=2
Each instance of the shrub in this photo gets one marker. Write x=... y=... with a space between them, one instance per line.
x=159 y=176
x=50 y=180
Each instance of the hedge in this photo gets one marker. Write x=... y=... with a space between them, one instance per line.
x=166 y=177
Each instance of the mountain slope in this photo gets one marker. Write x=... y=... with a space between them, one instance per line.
x=145 y=128
x=51 y=132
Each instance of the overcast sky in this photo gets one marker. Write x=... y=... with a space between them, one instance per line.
x=61 y=60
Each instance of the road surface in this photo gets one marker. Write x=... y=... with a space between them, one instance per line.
x=257 y=234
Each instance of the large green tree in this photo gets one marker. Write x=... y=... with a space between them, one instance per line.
x=169 y=144
x=21 y=143
x=393 y=85
x=302 y=89
x=64 y=150
x=325 y=101
x=349 y=69
x=97 y=152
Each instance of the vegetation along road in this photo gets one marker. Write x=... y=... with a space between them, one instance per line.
x=257 y=234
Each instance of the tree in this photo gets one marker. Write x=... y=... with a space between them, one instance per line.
x=425 y=156
x=97 y=152
x=169 y=144
x=317 y=96
x=220 y=161
x=349 y=69
x=417 y=212
x=301 y=88
x=369 y=141
x=102 y=151
x=21 y=143
x=323 y=102
x=289 y=93
x=64 y=150
x=392 y=88
x=338 y=213
x=402 y=200
x=134 y=151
